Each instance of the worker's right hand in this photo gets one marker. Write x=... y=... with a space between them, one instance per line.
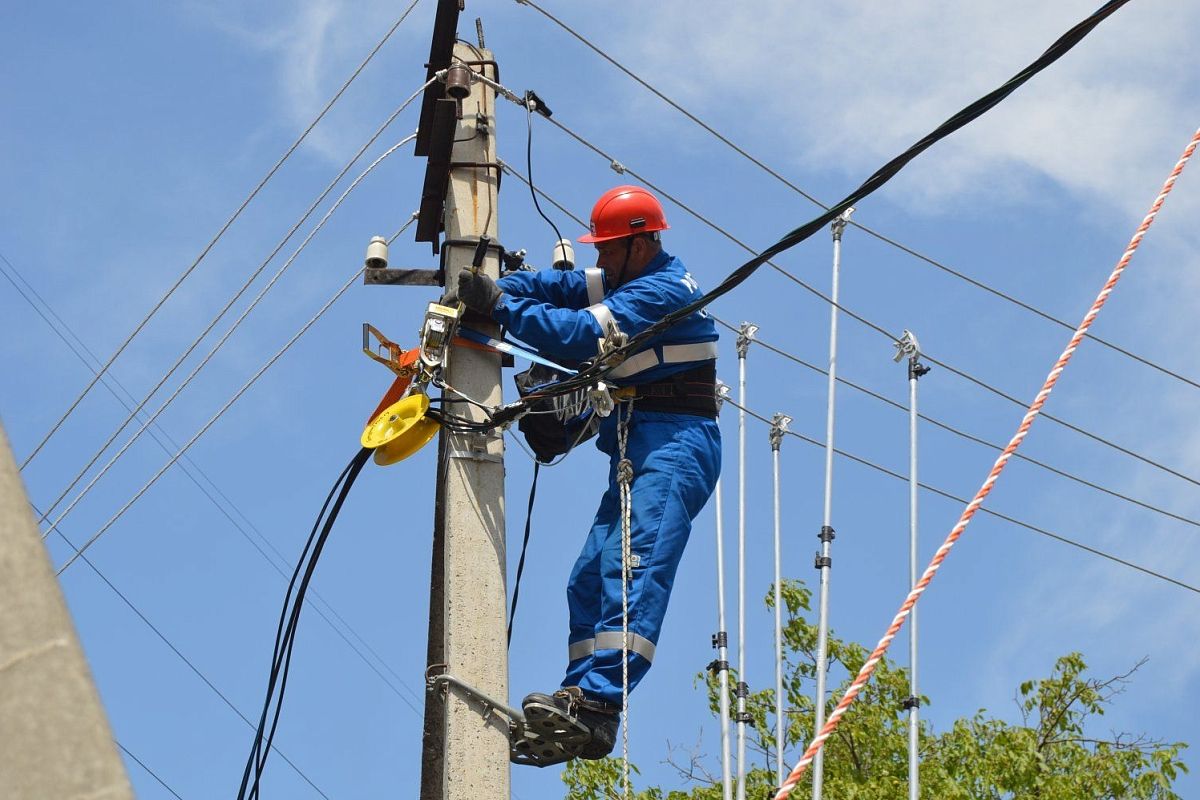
x=478 y=291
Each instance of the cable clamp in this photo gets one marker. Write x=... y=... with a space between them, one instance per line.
x=720 y=639
x=742 y=689
x=779 y=424
x=826 y=534
x=906 y=346
x=717 y=666
x=821 y=562
x=839 y=224
x=910 y=703
x=617 y=167
x=743 y=716
x=745 y=335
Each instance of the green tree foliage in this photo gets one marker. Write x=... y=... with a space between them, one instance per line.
x=1052 y=754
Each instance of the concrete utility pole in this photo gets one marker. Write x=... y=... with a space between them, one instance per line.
x=473 y=760
x=54 y=737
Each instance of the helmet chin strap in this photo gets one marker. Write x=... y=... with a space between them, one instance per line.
x=625 y=263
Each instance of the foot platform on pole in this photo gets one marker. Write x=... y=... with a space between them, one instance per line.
x=547 y=736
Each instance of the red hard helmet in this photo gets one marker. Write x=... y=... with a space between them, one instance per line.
x=625 y=211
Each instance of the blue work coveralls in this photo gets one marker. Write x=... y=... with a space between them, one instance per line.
x=676 y=457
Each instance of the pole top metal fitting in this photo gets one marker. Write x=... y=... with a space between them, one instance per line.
x=907 y=347
x=839 y=224
x=779 y=424
x=745 y=335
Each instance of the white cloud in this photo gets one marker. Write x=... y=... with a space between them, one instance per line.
x=854 y=83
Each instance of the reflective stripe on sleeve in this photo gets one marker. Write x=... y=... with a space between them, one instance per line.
x=605 y=317
x=595 y=284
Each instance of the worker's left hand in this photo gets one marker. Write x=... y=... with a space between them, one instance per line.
x=478 y=291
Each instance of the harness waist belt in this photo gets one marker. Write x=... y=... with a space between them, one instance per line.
x=692 y=391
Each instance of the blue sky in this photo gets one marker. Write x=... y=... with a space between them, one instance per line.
x=133 y=130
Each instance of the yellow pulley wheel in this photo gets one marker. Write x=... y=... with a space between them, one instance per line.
x=400 y=430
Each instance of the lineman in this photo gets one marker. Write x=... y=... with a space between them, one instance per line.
x=674 y=442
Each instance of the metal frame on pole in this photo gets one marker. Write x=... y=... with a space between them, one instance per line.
x=779 y=424
x=824 y=560
x=909 y=347
x=720 y=639
x=745 y=335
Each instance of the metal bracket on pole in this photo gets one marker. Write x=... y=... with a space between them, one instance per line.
x=477 y=448
x=779 y=424
x=745 y=336
x=490 y=704
x=838 y=226
x=722 y=394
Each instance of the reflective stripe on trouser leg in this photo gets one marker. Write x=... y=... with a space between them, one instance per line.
x=676 y=460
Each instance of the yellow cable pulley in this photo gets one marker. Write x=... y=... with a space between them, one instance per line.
x=400 y=430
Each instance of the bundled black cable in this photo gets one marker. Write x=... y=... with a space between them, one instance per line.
x=885 y=173
x=289 y=618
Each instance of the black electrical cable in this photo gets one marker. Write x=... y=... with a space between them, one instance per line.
x=885 y=173
x=285 y=636
x=529 y=169
x=512 y=613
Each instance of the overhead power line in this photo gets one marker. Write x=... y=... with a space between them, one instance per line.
x=245 y=286
x=192 y=469
x=964 y=435
x=855 y=223
x=891 y=337
x=121 y=348
x=149 y=771
x=859 y=318
x=951 y=496
x=253 y=379
x=179 y=653
x=229 y=332
x=1187 y=520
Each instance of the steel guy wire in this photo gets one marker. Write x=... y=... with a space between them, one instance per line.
x=968 y=513
x=162 y=637
x=1062 y=473
x=865 y=229
x=971 y=437
x=120 y=349
x=211 y=421
x=999 y=515
x=189 y=467
x=149 y=771
x=863 y=320
x=245 y=286
x=279 y=273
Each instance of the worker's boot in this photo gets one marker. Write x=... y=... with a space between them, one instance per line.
x=599 y=718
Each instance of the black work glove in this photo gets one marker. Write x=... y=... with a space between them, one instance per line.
x=479 y=292
x=449 y=298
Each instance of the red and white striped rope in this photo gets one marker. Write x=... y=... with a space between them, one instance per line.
x=864 y=674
